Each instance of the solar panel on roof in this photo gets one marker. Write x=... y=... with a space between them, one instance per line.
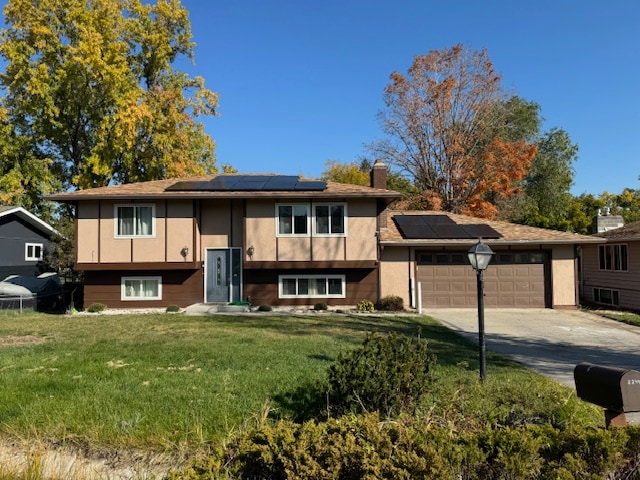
x=249 y=183
x=440 y=227
x=481 y=230
x=281 y=182
x=307 y=185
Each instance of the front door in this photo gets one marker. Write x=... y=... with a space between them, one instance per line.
x=222 y=275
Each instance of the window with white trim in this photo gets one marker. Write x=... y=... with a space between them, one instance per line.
x=293 y=219
x=329 y=219
x=606 y=296
x=311 y=286
x=33 y=251
x=141 y=288
x=613 y=257
x=135 y=220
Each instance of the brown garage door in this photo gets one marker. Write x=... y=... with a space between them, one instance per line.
x=447 y=280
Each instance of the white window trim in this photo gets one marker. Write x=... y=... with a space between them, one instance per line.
x=293 y=204
x=329 y=204
x=125 y=298
x=297 y=277
x=116 y=218
x=614 y=293
x=311 y=219
x=31 y=258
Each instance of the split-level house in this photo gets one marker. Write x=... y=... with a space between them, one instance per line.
x=281 y=240
x=268 y=239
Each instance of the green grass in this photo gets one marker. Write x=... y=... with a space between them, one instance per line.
x=624 y=317
x=166 y=381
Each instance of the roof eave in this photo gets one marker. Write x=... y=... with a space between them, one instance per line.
x=466 y=243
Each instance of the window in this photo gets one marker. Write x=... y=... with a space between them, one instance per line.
x=135 y=220
x=329 y=219
x=296 y=219
x=141 y=288
x=613 y=257
x=606 y=296
x=33 y=251
x=293 y=219
x=312 y=286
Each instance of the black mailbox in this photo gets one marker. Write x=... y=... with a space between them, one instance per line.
x=616 y=389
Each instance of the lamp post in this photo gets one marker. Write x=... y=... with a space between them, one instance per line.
x=479 y=256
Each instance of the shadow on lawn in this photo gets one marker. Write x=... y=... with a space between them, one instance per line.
x=451 y=350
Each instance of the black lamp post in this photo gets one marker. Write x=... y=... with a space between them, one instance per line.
x=479 y=256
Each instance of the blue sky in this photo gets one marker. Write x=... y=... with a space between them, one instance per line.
x=301 y=82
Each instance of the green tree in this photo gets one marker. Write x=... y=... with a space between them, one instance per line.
x=355 y=173
x=446 y=124
x=545 y=198
x=90 y=91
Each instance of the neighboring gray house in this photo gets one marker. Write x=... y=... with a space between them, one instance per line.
x=24 y=238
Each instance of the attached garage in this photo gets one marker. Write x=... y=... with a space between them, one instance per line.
x=532 y=267
x=514 y=279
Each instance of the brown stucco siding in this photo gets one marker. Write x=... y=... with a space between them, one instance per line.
x=261 y=287
x=179 y=287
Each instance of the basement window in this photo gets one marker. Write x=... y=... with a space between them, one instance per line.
x=311 y=286
x=141 y=288
x=606 y=296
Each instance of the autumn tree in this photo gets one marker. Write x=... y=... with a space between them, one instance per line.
x=445 y=128
x=90 y=94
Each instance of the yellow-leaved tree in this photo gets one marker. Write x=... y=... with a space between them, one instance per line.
x=91 y=95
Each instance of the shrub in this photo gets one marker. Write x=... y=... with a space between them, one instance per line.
x=363 y=446
x=96 y=307
x=320 y=306
x=366 y=306
x=173 y=309
x=389 y=374
x=265 y=308
x=390 y=303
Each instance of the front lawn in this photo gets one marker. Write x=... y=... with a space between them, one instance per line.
x=169 y=381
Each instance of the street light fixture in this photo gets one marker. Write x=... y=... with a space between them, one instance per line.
x=479 y=256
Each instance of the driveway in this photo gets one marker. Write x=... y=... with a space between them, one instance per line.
x=551 y=342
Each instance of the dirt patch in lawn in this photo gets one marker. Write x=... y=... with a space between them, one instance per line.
x=51 y=461
x=21 y=340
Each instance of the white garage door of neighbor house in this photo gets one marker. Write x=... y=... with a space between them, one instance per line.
x=513 y=280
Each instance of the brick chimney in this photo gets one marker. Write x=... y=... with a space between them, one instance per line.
x=379 y=175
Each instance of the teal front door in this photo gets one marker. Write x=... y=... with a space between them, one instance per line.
x=222 y=277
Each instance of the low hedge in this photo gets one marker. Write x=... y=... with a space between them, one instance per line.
x=363 y=446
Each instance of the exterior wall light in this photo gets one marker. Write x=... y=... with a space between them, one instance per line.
x=184 y=252
x=250 y=252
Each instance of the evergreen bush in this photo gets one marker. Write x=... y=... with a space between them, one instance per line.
x=389 y=374
x=96 y=307
x=390 y=303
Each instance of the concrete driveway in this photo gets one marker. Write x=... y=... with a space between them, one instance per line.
x=551 y=342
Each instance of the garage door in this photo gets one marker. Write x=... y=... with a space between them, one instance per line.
x=513 y=280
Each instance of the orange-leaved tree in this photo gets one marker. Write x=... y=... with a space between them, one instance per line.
x=444 y=122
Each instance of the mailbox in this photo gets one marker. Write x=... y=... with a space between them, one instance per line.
x=615 y=389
